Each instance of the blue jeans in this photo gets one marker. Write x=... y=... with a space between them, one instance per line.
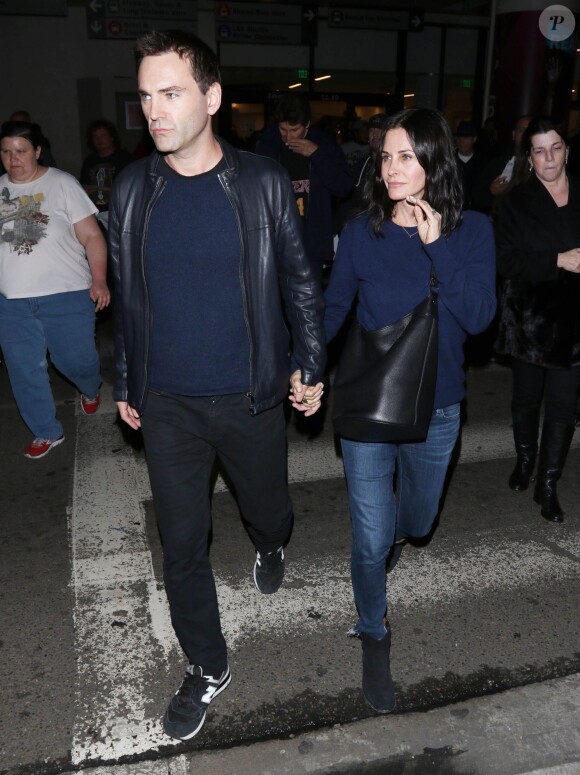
x=381 y=514
x=63 y=324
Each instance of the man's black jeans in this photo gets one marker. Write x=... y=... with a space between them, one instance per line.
x=182 y=437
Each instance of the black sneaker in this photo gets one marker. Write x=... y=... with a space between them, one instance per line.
x=186 y=712
x=269 y=571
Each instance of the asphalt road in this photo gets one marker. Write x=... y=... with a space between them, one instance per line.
x=88 y=658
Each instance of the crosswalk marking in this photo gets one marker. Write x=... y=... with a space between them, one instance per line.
x=122 y=627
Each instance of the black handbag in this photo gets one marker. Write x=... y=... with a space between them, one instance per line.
x=384 y=387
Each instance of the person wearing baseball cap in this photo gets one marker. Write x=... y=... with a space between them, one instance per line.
x=471 y=163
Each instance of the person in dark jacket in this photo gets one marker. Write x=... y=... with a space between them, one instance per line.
x=500 y=173
x=104 y=162
x=318 y=170
x=208 y=260
x=470 y=160
x=538 y=244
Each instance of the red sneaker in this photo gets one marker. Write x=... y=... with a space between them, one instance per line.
x=41 y=447
x=90 y=405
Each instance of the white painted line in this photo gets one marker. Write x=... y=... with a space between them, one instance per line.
x=123 y=636
x=427 y=579
x=123 y=632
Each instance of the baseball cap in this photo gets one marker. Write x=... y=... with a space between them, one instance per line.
x=466 y=129
x=377 y=121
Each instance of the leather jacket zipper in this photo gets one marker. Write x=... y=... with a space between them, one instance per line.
x=159 y=186
x=225 y=187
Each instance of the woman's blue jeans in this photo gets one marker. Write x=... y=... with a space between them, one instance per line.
x=63 y=324
x=382 y=513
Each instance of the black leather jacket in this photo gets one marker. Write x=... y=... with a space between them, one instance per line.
x=275 y=277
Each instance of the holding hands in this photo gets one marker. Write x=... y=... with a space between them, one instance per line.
x=305 y=398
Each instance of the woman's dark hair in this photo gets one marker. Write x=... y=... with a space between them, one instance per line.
x=432 y=143
x=30 y=132
x=102 y=123
x=203 y=61
x=539 y=125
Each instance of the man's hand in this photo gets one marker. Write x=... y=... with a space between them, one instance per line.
x=570 y=260
x=305 y=398
x=129 y=415
x=303 y=147
x=498 y=185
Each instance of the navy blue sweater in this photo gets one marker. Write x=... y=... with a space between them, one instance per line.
x=391 y=276
x=199 y=338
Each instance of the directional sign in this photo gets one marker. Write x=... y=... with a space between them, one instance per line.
x=246 y=32
x=373 y=19
x=309 y=25
x=128 y=19
x=240 y=22
x=416 y=19
x=257 y=12
x=34 y=7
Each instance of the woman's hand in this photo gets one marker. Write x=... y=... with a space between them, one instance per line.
x=305 y=398
x=570 y=260
x=428 y=220
x=100 y=294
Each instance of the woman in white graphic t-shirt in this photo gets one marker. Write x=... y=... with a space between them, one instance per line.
x=53 y=262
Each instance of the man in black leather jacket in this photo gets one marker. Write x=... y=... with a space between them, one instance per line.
x=207 y=256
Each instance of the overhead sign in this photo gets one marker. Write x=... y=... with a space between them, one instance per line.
x=258 y=12
x=128 y=19
x=374 y=19
x=240 y=22
x=34 y=7
x=281 y=34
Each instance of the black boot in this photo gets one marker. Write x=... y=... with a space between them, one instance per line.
x=377 y=682
x=526 y=442
x=556 y=439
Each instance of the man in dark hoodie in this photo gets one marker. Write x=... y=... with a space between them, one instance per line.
x=317 y=168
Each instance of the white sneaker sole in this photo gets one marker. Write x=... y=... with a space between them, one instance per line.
x=54 y=444
x=202 y=722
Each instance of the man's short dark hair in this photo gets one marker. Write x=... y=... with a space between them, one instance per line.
x=293 y=108
x=203 y=61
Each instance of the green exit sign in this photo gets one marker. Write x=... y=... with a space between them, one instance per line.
x=467 y=83
x=302 y=73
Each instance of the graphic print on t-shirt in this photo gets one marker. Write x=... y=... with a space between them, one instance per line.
x=22 y=223
x=298 y=167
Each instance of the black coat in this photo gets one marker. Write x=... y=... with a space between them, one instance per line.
x=275 y=274
x=540 y=304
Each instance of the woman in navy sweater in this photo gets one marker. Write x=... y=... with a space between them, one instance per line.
x=413 y=224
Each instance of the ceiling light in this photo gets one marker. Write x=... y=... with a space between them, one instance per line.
x=323 y=77
x=295 y=86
